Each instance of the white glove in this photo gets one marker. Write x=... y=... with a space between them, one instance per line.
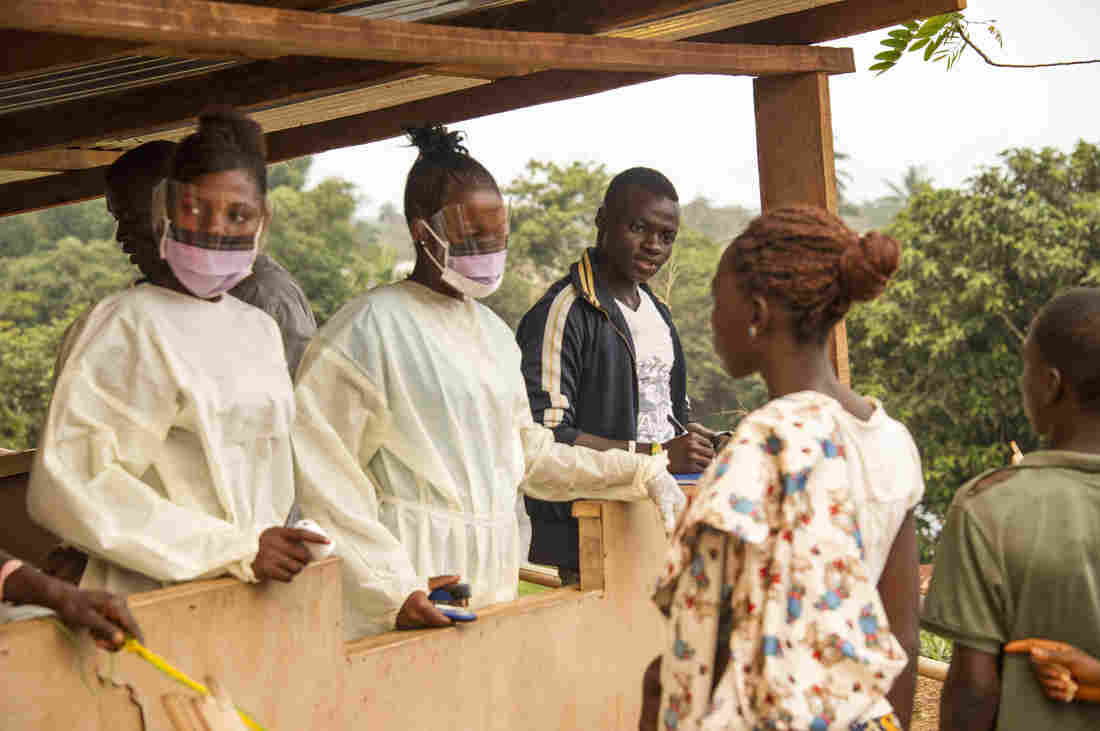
x=668 y=497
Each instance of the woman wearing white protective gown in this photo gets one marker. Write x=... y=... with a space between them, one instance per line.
x=414 y=434
x=166 y=455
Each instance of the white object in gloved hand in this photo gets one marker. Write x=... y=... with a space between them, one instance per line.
x=317 y=551
x=668 y=497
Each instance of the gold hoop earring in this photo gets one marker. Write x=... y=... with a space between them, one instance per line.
x=752 y=331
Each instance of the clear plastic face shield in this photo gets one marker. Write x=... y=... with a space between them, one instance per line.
x=474 y=239
x=209 y=234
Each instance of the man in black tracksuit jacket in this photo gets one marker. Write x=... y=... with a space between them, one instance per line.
x=579 y=354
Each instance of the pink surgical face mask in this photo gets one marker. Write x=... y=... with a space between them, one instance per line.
x=474 y=275
x=206 y=273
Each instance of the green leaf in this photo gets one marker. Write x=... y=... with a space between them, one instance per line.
x=895 y=43
x=932 y=26
x=883 y=66
x=931 y=48
x=891 y=56
x=901 y=34
x=919 y=44
x=912 y=25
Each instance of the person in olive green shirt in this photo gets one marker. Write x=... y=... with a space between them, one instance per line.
x=1019 y=556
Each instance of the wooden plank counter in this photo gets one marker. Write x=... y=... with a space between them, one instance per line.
x=562 y=659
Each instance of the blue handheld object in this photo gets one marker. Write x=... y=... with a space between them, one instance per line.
x=458 y=614
x=688 y=477
x=454 y=592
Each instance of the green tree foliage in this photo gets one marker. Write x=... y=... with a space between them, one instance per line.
x=42 y=293
x=942 y=347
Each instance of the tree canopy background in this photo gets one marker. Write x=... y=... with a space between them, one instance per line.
x=940 y=348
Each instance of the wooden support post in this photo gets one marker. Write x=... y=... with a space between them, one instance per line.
x=794 y=142
x=589 y=514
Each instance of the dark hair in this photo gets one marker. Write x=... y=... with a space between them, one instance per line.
x=646 y=178
x=442 y=167
x=1067 y=332
x=148 y=161
x=225 y=140
x=809 y=260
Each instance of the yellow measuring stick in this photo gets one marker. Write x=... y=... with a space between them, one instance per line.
x=179 y=676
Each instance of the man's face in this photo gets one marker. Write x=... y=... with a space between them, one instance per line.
x=637 y=232
x=131 y=205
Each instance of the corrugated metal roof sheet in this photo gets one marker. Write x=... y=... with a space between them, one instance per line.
x=116 y=74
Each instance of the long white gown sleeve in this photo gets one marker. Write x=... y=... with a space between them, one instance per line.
x=560 y=472
x=342 y=419
x=116 y=400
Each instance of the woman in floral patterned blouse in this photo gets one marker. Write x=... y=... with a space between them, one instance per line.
x=791 y=584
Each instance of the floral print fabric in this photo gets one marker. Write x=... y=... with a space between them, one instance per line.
x=772 y=540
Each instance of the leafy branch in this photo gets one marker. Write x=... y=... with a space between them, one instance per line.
x=945 y=38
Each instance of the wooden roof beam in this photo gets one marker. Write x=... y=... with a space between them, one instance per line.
x=39 y=53
x=266 y=32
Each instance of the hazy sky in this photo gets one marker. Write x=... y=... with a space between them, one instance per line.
x=699 y=130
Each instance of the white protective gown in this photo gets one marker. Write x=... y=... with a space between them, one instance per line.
x=167 y=448
x=413 y=436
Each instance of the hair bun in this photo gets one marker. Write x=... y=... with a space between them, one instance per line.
x=433 y=140
x=867 y=265
x=226 y=128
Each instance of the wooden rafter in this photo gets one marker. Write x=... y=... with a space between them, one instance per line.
x=270 y=32
x=46 y=52
x=833 y=21
x=713 y=18
x=500 y=96
x=57 y=160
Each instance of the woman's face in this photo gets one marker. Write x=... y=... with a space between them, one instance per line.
x=730 y=320
x=226 y=204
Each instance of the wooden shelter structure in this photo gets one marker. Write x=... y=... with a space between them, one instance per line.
x=82 y=81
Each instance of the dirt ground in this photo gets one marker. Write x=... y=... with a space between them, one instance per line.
x=926 y=708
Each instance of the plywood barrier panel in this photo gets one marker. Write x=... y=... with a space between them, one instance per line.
x=277 y=648
x=563 y=660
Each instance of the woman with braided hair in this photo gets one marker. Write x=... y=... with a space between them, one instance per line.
x=166 y=454
x=792 y=583
x=413 y=431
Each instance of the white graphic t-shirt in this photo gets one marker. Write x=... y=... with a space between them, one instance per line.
x=654 y=359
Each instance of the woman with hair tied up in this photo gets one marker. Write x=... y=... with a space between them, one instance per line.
x=166 y=454
x=793 y=574
x=414 y=431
